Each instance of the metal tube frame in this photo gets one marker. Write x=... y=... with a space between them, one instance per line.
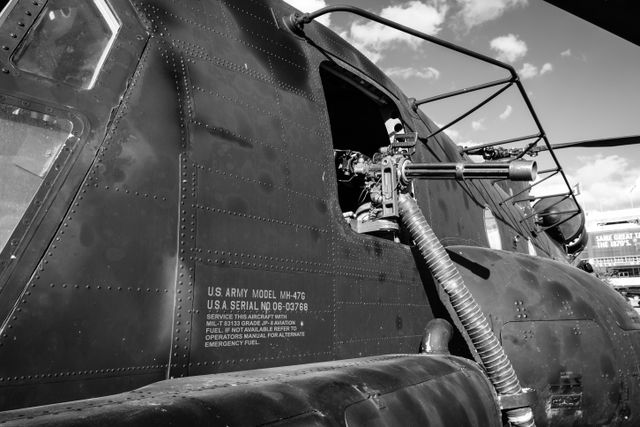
x=297 y=21
x=530 y=187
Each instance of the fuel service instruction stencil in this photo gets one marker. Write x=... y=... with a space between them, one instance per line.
x=244 y=317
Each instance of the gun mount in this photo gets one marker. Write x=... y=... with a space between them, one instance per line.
x=382 y=177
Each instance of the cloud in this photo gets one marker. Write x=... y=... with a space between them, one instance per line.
x=528 y=71
x=453 y=134
x=456 y=137
x=311 y=6
x=510 y=48
x=546 y=68
x=507 y=112
x=609 y=188
x=374 y=39
x=406 y=73
x=476 y=12
x=478 y=124
x=566 y=52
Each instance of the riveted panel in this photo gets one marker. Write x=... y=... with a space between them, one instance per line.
x=220 y=152
x=97 y=305
x=574 y=367
x=378 y=345
x=222 y=118
x=272 y=46
x=248 y=15
x=301 y=171
x=287 y=56
x=137 y=157
x=185 y=273
x=107 y=338
x=301 y=108
x=304 y=136
x=539 y=290
x=228 y=191
x=232 y=83
x=108 y=293
x=386 y=298
x=239 y=232
x=311 y=158
x=253 y=312
x=187 y=225
x=180 y=16
x=374 y=257
x=378 y=325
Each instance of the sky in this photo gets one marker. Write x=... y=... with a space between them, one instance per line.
x=583 y=82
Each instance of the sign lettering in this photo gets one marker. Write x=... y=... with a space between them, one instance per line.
x=245 y=317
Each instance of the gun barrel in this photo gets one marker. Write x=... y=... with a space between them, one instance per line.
x=517 y=170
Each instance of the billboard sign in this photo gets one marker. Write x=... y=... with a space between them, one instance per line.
x=614 y=243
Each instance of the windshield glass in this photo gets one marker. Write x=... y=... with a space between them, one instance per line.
x=70 y=42
x=29 y=144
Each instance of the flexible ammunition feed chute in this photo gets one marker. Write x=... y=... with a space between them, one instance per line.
x=494 y=359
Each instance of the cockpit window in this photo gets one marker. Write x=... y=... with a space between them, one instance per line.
x=30 y=141
x=69 y=42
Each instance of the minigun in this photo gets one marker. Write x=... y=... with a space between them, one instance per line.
x=390 y=172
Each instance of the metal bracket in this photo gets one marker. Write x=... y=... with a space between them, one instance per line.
x=376 y=225
x=389 y=187
x=404 y=140
x=527 y=398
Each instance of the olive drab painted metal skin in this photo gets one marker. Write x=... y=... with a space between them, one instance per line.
x=195 y=202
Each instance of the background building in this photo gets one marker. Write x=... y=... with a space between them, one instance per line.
x=614 y=246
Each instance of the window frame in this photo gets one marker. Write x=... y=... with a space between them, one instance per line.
x=112 y=22
x=45 y=194
x=91 y=112
x=338 y=65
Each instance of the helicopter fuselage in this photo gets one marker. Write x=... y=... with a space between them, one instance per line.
x=192 y=224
